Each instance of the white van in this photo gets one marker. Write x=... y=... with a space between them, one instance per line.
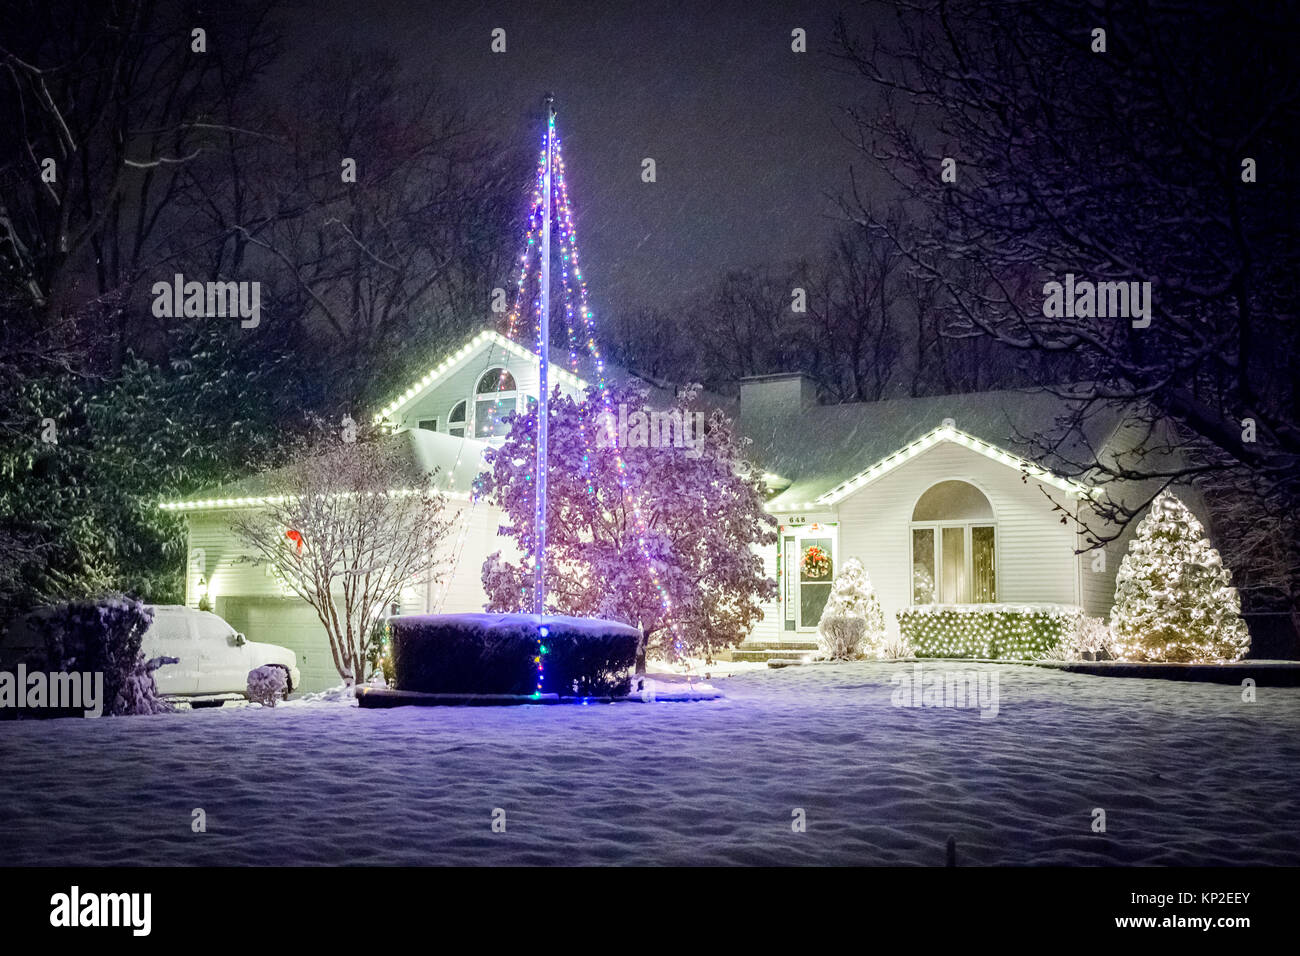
x=213 y=657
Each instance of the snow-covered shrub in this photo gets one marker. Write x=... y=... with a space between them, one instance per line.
x=894 y=647
x=103 y=637
x=841 y=637
x=498 y=654
x=1174 y=600
x=852 y=599
x=999 y=631
x=1094 y=636
x=266 y=684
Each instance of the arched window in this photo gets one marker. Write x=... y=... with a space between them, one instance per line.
x=495 y=380
x=456 y=421
x=495 y=397
x=953 y=546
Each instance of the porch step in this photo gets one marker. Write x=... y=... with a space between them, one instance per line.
x=777 y=646
x=785 y=654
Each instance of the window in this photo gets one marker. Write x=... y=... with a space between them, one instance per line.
x=953 y=546
x=495 y=380
x=429 y=424
x=456 y=421
x=495 y=397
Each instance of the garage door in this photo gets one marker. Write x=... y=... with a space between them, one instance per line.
x=290 y=623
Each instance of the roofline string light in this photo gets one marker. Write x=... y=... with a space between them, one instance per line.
x=929 y=440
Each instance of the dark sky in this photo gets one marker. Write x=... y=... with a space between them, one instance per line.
x=743 y=131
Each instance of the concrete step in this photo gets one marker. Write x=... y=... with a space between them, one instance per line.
x=769 y=655
x=777 y=646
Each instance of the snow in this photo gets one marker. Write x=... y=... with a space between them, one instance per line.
x=1187 y=774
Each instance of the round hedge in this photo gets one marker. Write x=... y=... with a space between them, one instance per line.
x=496 y=654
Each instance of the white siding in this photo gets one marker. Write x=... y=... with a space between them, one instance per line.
x=1035 y=559
x=458 y=385
x=256 y=604
x=769 y=627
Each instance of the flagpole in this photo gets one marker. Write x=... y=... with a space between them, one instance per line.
x=543 y=366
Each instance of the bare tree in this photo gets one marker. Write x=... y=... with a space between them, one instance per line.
x=347 y=529
x=1168 y=159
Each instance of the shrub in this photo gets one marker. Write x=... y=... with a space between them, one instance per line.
x=104 y=637
x=851 y=597
x=497 y=654
x=1096 y=637
x=841 y=637
x=266 y=684
x=894 y=646
x=1000 y=631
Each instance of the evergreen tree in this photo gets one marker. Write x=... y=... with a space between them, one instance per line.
x=1173 y=596
x=852 y=616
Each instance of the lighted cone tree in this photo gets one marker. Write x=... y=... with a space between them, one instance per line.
x=852 y=621
x=1173 y=596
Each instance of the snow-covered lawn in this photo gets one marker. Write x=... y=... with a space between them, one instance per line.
x=1186 y=773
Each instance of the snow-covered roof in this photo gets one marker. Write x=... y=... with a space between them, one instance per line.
x=457 y=460
x=824 y=449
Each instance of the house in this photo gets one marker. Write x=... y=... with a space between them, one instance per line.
x=944 y=499
x=937 y=496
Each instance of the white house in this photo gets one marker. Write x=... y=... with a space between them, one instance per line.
x=932 y=494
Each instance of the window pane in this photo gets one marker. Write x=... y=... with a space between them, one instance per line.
x=954 y=588
x=495 y=380
x=923 y=566
x=489 y=415
x=457 y=414
x=984 y=587
x=814 y=580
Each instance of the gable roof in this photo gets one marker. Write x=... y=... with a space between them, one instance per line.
x=827 y=451
x=457 y=358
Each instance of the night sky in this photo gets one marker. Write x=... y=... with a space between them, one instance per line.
x=745 y=133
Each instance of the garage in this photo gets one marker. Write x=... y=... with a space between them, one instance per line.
x=290 y=623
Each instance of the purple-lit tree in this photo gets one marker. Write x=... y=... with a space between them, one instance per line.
x=701 y=508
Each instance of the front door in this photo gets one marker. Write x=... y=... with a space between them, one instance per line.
x=808 y=563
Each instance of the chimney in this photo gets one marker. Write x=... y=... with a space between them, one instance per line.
x=776 y=396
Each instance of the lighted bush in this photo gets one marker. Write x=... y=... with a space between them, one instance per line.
x=1174 y=599
x=998 y=631
x=497 y=654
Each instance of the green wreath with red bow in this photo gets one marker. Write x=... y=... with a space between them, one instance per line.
x=816 y=563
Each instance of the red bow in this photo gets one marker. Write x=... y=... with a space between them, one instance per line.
x=296 y=537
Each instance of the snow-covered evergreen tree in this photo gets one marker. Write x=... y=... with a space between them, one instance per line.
x=1173 y=596
x=852 y=600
